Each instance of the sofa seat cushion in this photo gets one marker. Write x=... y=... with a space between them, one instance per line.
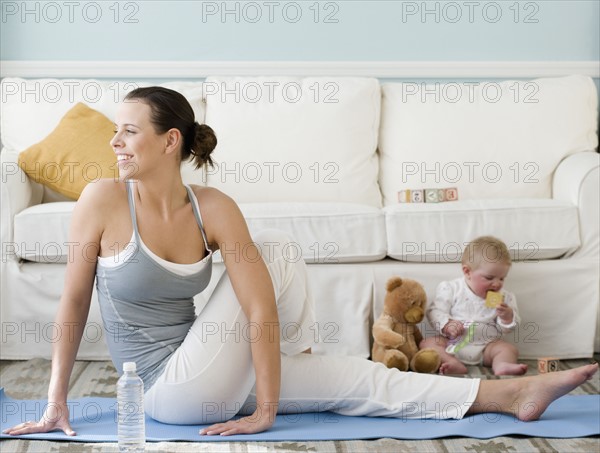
x=322 y=232
x=41 y=232
x=533 y=229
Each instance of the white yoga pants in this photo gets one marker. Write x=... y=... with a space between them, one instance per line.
x=210 y=378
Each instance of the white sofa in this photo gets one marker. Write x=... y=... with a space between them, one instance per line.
x=324 y=158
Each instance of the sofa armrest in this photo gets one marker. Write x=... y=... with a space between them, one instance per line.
x=577 y=180
x=17 y=192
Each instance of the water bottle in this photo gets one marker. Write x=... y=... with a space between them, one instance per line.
x=130 y=402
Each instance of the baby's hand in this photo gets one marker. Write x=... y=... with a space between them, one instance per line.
x=505 y=313
x=453 y=329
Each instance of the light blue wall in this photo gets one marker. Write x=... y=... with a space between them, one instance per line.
x=344 y=30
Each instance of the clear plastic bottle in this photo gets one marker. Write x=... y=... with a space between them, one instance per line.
x=130 y=401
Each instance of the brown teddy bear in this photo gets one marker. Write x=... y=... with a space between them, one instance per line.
x=396 y=334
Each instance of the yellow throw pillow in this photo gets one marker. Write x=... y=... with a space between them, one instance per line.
x=76 y=152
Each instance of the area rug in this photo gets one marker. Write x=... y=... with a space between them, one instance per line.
x=29 y=380
x=94 y=420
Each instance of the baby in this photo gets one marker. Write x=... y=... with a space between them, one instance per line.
x=471 y=328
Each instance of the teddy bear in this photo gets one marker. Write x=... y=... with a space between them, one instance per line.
x=396 y=334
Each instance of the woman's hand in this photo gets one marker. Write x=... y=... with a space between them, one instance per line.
x=56 y=416
x=254 y=423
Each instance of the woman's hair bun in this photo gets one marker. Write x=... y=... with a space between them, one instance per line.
x=203 y=144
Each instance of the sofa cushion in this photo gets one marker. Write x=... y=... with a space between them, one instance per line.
x=32 y=108
x=41 y=232
x=488 y=139
x=76 y=152
x=323 y=232
x=295 y=139
x=533 y=229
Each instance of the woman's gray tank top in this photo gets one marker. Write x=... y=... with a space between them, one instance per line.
x=146 y=309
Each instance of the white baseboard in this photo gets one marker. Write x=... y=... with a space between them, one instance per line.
x=379 y=69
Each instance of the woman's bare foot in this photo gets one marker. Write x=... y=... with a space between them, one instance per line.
x=509 y=369
x=528 y=397
x=539 y=391
x=452 y=367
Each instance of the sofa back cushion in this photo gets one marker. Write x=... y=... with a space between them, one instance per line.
x=32 y=108
x=488 y=139
x=308 y=139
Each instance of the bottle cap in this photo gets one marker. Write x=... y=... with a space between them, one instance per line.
x=129 y=366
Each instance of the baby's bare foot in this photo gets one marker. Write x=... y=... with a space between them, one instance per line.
x=453 y=367
x=510 y=369
x=537 y=392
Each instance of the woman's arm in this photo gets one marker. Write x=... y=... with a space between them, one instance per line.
x=254 y=290
x=84 y=240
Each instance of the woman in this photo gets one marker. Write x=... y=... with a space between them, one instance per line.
x=153 y=238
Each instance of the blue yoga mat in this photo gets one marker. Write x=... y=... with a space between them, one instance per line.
x=94 y=421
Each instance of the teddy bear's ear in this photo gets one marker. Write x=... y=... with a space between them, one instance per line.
x=393 y=283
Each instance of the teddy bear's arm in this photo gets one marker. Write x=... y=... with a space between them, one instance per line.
x=418 y=336
x=384 y=334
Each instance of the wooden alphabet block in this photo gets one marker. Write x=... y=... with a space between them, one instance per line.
x=451 y=194
x=432 y=196
x=404 y=196
x=417 y=196
x=548 y=364
x=427 y=195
